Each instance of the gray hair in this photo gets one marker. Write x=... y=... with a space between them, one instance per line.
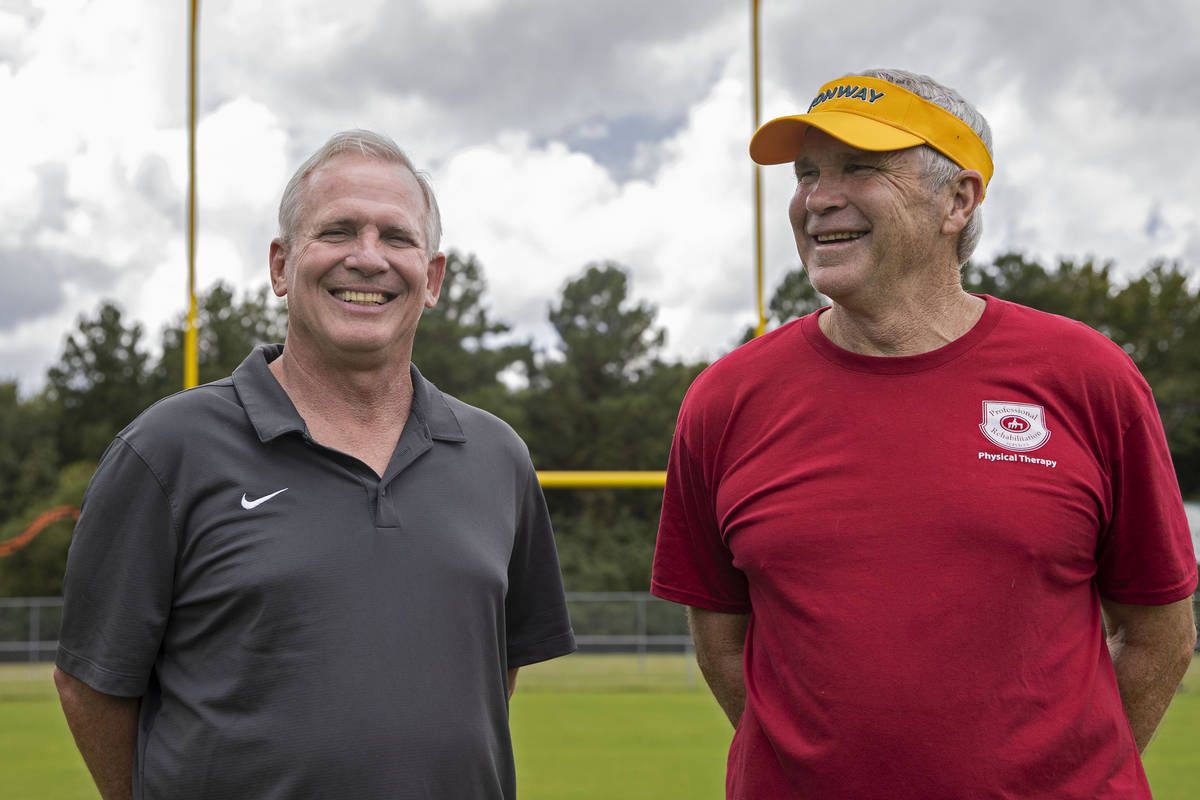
x=371 y=145
x=940 y=170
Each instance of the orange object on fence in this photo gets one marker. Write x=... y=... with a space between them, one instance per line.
x=45 y=518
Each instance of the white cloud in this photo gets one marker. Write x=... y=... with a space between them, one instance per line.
x=242 y=149
x=525 y=211
x=1090 y=138
x=536 y=215
x=242 y=167
x=297 y=32
x=1078 y=177
x=445 y=11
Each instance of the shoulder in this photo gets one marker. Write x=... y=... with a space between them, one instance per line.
x=761 y=352
x=1071 y=345
x=475 y=419
x=160 y=442
x=482 y=429
x=752 y=367
x=1035 y=323
x=1071 y=359
x=176 y=419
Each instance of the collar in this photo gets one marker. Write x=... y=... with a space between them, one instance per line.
x=272 y=414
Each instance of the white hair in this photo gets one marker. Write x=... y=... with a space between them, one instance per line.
x=940 y=170
x=371 y=145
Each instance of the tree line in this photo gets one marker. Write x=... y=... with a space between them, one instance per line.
x=603 y=396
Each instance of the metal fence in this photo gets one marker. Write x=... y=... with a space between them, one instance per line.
x=613 y=622
x=626 y=622
x=29 y=628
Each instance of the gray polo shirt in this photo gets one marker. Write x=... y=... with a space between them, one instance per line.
x=298 y=627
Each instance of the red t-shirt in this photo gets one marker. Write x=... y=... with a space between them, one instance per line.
x=921 y=544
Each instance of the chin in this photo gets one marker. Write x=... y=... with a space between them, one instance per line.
x=834 y=282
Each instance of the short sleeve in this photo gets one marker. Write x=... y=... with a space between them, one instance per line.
x=1145 y=556
x=692 y=564
x=538 y=625
x=119 y=579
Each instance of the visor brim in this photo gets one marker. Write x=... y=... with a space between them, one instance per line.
x=781 y=140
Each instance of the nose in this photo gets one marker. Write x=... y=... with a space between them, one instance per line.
x=366 y=256
x=824 y=193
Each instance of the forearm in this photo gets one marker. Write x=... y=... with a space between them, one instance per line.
x=720 y=644
x=727 y=681
x=1147 y=682
x=1149 y=663
x=105 y=731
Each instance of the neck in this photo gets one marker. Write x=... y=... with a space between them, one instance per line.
x=903 y=328
x=359 y=412
x=357 y=389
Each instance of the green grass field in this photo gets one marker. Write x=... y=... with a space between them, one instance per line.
x=584 y=727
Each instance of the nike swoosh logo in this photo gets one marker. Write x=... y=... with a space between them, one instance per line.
x=249 y=504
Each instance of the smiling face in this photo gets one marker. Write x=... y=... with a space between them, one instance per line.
x=356 y=275
x=867 y=224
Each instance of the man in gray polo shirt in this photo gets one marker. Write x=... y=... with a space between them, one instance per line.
x=318 y=577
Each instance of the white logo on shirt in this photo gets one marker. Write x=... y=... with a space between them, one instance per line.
x=249 y=504
x=1014 y=426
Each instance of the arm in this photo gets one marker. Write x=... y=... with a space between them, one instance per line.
x=720 y=641
x=512 y=681
x=105 y=731
x=1151 y=648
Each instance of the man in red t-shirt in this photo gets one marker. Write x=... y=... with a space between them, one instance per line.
x=899 y=522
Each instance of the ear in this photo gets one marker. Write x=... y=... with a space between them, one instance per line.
x=278 y=266
x=966 y=195
x=434 y=273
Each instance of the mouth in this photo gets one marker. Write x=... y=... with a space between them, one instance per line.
x=362 y=298
x=839 y=236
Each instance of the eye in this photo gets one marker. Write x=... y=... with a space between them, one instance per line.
x=399 y=237
x=806 y=177
x=334 y=235
x=859 y=169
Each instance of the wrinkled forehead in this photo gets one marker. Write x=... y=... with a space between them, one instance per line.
x=359 y=192
x=347 y=171
x=816 y=145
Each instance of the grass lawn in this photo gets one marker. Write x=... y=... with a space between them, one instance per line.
x=1173 y=758
x=599 y=727
x=38 y=759
x=615 y=726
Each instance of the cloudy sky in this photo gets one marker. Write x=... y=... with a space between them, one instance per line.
x=557 y=134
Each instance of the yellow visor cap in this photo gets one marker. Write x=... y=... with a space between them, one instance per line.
x=873 y=114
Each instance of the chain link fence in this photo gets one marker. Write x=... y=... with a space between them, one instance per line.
x=29 y=628
x=604 y=622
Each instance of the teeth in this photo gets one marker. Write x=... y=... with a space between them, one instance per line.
x=361 y=298
x=836 y=237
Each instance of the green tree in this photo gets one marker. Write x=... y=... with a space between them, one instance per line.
x=28 y=451
x=227 y=329
x=1156 y=318
x=1081 y=290
x=99 y=385
x=793 y=298
x=607 y=347
x=456 y=346
x=37 y=569
x=606 y=340
x=605 y=400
